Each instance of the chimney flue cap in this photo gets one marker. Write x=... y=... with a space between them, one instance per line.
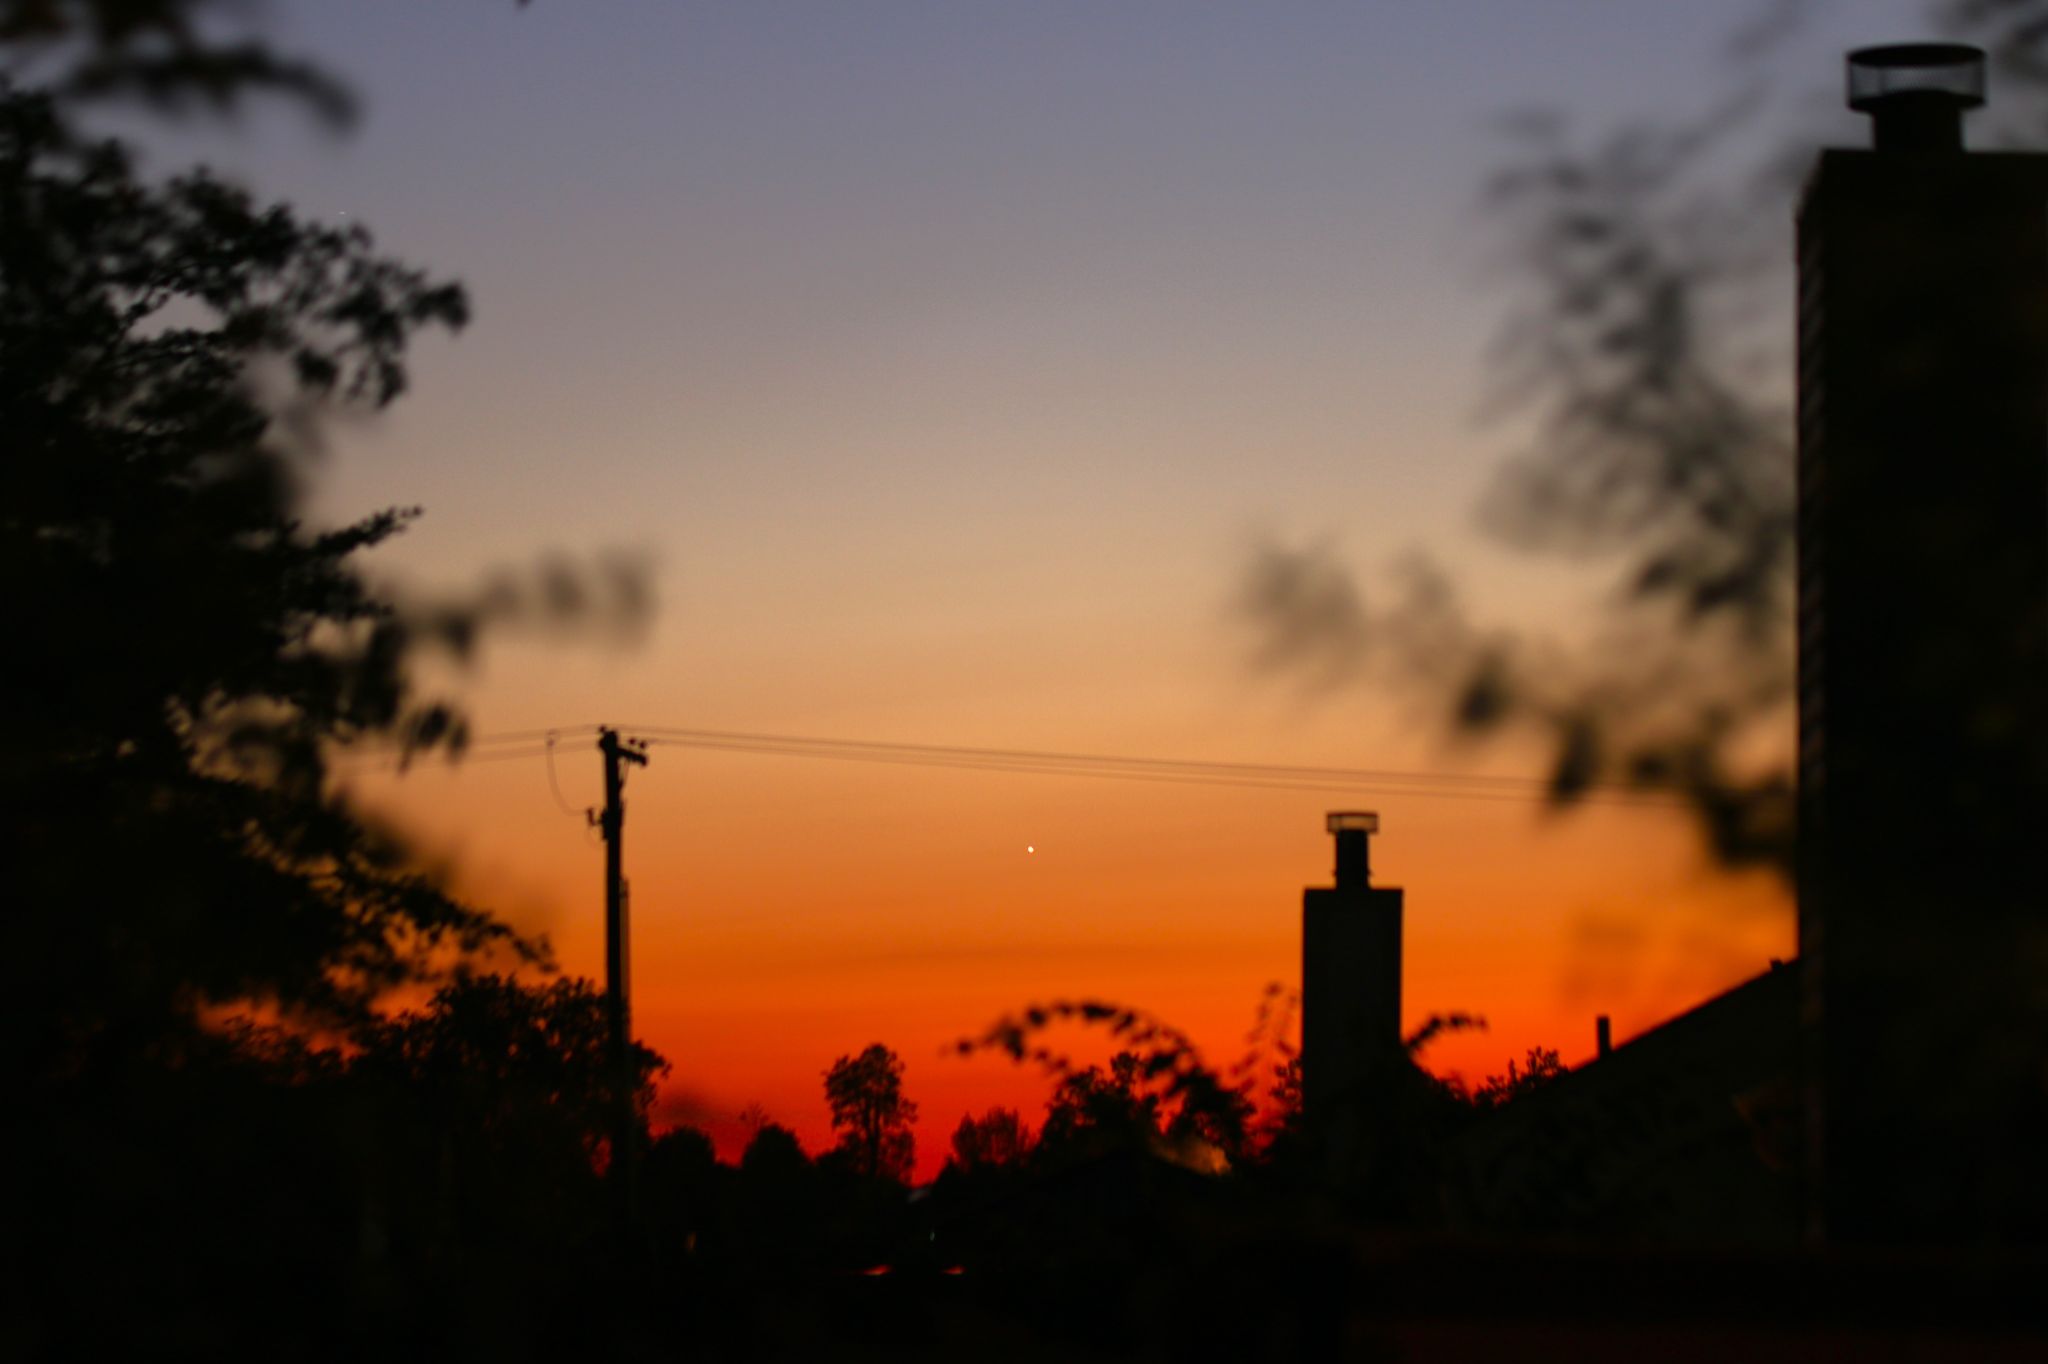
x=1952 y=71
x=1353 y=821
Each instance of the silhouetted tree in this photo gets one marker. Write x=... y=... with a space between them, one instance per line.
x=871 y=1115
x=494 y=1107
x=1541 y=1066
x=1156 y=1071
x=1159 y=1092
x=1095 y=1109
x=778 y=1213
x=997 y=1140
x=515 y=1063
x=1283 y=1113
x=1216 y=1116
x=684 y=1146
x=773 y=1152
x=194 y=646
x=680 y=1186
x=189 y=649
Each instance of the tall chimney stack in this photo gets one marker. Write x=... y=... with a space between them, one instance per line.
x=1923 y=668
x=1351 y=997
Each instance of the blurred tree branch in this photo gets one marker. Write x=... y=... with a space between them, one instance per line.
x=1663 y=450
x=162 y=52
x=190 y=650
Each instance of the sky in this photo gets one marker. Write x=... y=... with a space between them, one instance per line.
x=948 y=361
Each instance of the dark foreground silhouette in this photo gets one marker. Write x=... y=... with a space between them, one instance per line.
x=350 y=1183
x=442 y=1191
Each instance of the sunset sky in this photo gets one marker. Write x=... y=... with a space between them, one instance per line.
x=949 y=360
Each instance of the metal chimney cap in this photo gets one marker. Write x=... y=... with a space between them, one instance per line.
x=1362 y=821
x=1954 y=71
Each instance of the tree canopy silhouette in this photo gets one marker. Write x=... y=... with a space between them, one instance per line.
x=191 y=647
x=508 y=1058
x=871 y=1114
x=773 y=1152
x=997 y=1140
x=185 y=652
x=1094 y=1108
x=1540 y=1066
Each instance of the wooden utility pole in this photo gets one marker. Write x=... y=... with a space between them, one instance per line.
x=618 y=755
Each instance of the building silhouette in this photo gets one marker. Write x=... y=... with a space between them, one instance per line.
x=1350 y=974
x=1890 y=1086
x=1351 y=1052
x=1923 y=667
x=1685 y=1134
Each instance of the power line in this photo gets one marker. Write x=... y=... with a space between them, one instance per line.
x=1040 y=760
x=555 y=786
x=499 y=755
x=365 y=762
x=1252 y=775
x=1167 y=778
x=530 y=735
x=518 y=745
x=1038 y=757
x=378 y=755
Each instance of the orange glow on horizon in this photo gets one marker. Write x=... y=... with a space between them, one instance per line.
x=786 y=913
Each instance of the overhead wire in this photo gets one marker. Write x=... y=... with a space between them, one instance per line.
x=1182 y=771
x=384 y=753
x=1166 y=778
x=501 y=754
x=555 y=786
x=530 y=735
x=1039 y=757
x=1039 y=760
x=515 y=745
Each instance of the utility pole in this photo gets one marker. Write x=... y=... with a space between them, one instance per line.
x=618 y=755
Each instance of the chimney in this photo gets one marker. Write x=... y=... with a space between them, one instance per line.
x=1603 y=1036
x=1915 y=94
x=1922 y=638
x=1354 y=830
x=1351 y=1052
